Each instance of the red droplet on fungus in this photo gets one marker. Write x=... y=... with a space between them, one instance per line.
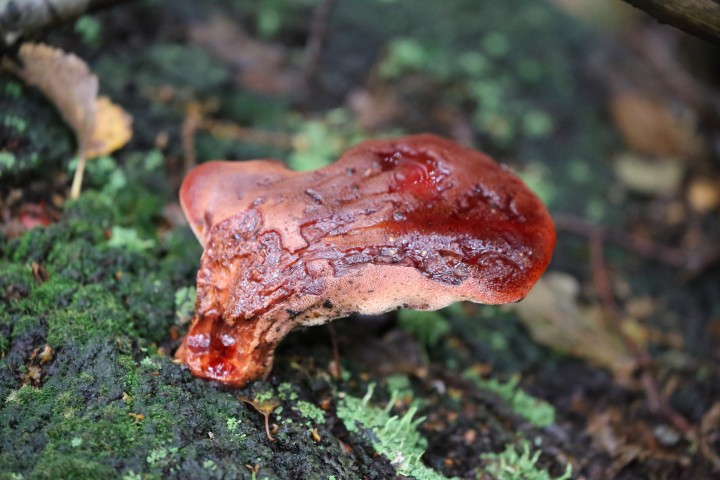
x=416 y=222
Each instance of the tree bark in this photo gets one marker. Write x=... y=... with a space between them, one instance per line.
x=21 y=16
x=697 y=17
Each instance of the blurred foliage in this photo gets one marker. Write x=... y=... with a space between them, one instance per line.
x=320 y=142
x=427 y=327
x=90 y=30
x=185 y=298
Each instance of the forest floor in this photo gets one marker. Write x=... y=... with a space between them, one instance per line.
x=609 y=369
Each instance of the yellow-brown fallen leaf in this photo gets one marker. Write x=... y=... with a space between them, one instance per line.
x=703 y=194
x=649 y=176
x=139 y=417
x=113 y=129
x=46 y=354
x=554 y=317
x=100 y=126
x=650 y=127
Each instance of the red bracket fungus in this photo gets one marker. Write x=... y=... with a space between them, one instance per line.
x=416 y=222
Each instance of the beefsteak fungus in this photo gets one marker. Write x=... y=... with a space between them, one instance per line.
x=415 y=222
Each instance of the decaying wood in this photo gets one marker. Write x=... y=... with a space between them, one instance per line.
x=697 y=17
x=21 y=16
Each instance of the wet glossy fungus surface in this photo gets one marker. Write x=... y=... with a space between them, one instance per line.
x=414 y=222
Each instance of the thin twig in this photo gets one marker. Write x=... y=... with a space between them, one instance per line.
x=697 y=17
x=18 y=18
x=601 y=282
x=251 y=135
x=695 y=261
x=316 y=38
x=335 y=364
x=78 y=178
x=191 y=123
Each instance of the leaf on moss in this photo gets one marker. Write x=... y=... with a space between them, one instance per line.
x=101 y=127
x=113 y=129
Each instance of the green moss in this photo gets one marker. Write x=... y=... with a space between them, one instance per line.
x=24 y=324
x=69 y=465
x=536 y=411
x=93 y=313
x=511 y=464
x=309 y=411
x=40 y=139
x=28 y=395
x=397 y=438
x=129 y=239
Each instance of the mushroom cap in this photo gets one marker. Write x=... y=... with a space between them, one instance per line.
x=415 y=222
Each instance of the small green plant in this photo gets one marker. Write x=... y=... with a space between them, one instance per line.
x=397 y=438
x=15 y=122
x=185 y=304
x=89 y=29
x=129 y=239
x=7 y=161
x=513 y=465
x=13 y=89
x=427 y=327
x=269 y=17
x=161 y=457
x=536 y=411
x=310 y=411
x=150 y=364
x=319 y=142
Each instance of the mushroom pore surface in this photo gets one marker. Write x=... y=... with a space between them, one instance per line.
x=416 y=222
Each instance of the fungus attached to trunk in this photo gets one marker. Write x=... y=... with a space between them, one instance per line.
x=415 y=222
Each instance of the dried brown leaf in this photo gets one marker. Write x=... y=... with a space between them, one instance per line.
x=554 y=317
x=649 y=126
x=66 y=81
x=100 y=126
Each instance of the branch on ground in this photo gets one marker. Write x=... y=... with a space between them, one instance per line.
x=697 y=17
x=18 y=17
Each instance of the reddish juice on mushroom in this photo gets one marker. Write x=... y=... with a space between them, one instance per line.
x=416 y=222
